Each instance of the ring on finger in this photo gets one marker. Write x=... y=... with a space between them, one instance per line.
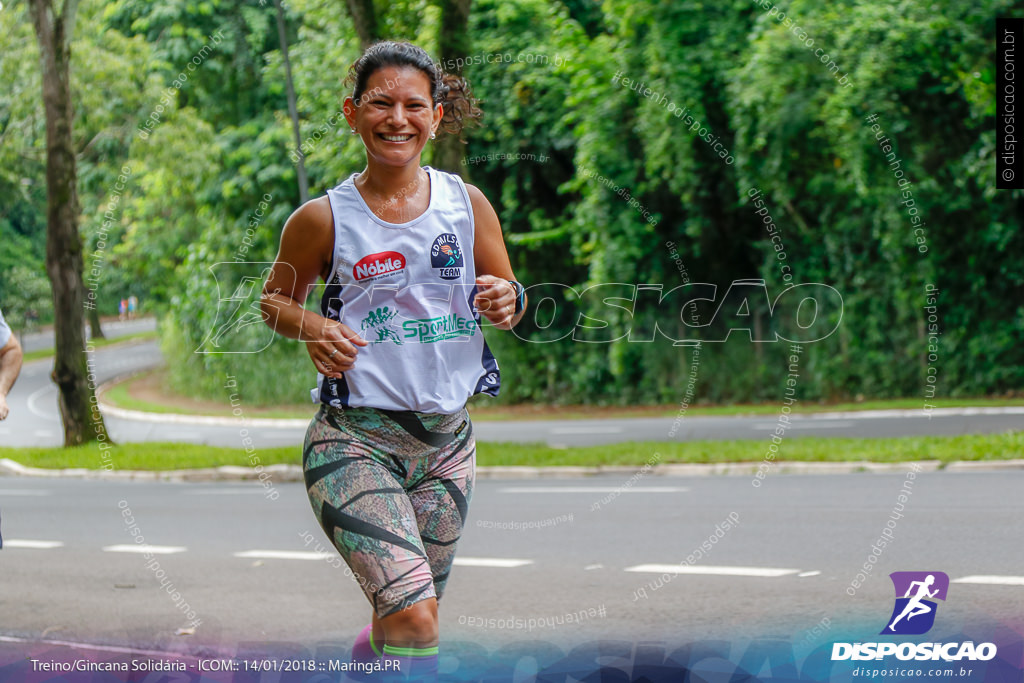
x=332 y=353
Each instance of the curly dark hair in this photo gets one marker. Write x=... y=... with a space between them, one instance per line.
x=450 y=91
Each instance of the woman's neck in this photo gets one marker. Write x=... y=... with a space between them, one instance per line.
x=385 y=181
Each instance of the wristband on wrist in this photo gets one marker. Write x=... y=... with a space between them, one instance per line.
x=520 y=296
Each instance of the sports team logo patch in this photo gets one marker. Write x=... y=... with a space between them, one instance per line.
x=446 y=256
x=377 y=266
x=379 y=321
x=916 y=592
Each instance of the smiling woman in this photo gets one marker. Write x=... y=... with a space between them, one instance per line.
x=412 y=257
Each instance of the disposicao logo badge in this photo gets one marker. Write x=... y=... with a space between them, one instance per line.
x=912 y=615
x=916 y=593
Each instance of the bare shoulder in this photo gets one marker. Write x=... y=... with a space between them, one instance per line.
x=12 y=344
x=482 y=209
x=307 y=241
x=314 y=219
x=476 y=196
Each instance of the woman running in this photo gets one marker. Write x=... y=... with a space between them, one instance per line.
x=411 y=257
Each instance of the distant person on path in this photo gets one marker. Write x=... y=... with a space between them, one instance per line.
x=411 y=256
x=122 y=310
x=132 y=304
x=10 y=363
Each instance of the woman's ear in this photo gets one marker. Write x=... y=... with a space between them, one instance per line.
x=349 y=109
x=438 y=115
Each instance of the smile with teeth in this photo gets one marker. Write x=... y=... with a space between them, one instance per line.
x=397 y=138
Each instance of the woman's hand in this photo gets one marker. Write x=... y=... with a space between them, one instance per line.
x=496 y=300
x=333 y=347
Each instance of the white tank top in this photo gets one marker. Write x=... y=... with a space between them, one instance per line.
x=407 y=288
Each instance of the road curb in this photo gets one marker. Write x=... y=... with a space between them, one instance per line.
x=293 y=473
x=278 y=473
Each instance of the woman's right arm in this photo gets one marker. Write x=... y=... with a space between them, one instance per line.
x=307 y=243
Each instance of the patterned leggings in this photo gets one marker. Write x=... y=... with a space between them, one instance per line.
x=392 y=490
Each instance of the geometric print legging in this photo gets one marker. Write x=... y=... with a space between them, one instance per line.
x=391 y=489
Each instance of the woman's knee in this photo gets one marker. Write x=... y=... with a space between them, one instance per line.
x=414 y=626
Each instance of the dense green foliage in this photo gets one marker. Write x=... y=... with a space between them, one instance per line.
x=557 y=122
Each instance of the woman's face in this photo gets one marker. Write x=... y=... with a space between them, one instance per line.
x=395 y=115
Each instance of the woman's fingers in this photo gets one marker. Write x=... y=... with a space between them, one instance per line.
x=340 y=337
x=333 y=367
x=353 y=336
x=337 y=350
x=495 y=299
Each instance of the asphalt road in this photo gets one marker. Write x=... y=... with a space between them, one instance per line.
x=43 y=339
x=531 y=550
x=34 y=419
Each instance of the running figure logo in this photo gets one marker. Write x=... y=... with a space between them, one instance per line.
x=379 y=321
x=914 y=612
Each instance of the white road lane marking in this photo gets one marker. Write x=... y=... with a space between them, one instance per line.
x=284 y=555
x=493 y=562
x=35 y=409
x=770 y=572
x=804 y=575
x=504 y=563
x=27 y=543
x=225 y=491
x=992 y=580
x=593 y=489
x=142 y=548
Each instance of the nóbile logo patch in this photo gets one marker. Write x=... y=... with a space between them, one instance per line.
x=376 y=266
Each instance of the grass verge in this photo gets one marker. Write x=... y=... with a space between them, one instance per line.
x=167 y=456
x=150 y=384
x=131 y=394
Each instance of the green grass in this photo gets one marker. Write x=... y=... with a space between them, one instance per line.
x=144 y=456
x=98 y=343
x=808 y=449
x=507 y=413
x=483 y=409
x=118 y=396
x=165 y=456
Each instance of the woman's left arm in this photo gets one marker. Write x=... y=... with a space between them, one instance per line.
x=496 y=297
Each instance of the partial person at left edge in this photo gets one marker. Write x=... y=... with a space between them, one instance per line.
x=10 y=366
x=10 y=363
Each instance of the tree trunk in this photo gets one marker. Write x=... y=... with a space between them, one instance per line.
x=63 y=243
x=364 y=17
x=453 y=48
x=293 y=110
x=95 y=330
